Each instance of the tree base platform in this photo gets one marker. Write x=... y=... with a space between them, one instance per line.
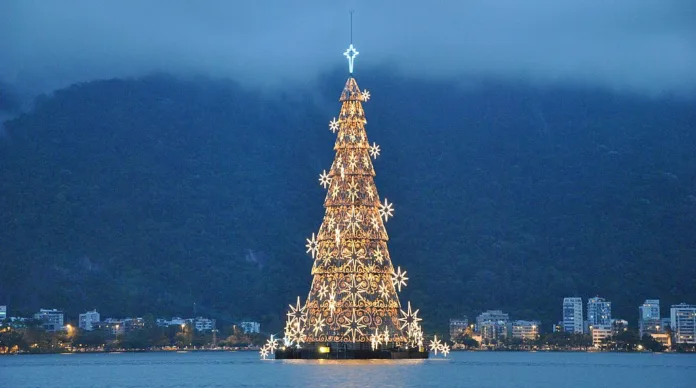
x=328 y=352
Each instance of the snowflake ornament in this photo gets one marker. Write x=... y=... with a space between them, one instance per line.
x=353 y=190
x=375 y=223
x=264 y=352
x=445 y=349
x=374 y=341
x=323 y=290
x=385 y=336
x=272 y=344
x=324 y=179
x=334 y=124
x=332 y=302
x=354 y=219
x=312 y=246
x=374 y=150
x=369 y=192
x=365 y=95
x=378 y=255
x=386 y=210
x=384 y=291
x=331 y=222
x=352 y=161
x=435 y=345
x=318 y=326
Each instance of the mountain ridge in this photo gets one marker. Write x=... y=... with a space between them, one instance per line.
x=151 y=194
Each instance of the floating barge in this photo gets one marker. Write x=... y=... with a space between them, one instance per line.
x=341 y=351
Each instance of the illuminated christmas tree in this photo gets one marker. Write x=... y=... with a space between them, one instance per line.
x=353 y=305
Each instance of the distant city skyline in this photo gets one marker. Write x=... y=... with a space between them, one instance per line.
x=572 y=315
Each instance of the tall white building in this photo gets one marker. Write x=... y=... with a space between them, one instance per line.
x=649 y=317
x=3 y=313
x=88 y=320
x=52 y=319
x=598 y=312
x=250 y=327
x=683 y=322
x=572 y=315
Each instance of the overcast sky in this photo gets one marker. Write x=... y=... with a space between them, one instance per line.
x=641 y=46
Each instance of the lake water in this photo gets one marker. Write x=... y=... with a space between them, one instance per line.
x=244 y=369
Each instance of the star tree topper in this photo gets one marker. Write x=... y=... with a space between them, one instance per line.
x=351 y=53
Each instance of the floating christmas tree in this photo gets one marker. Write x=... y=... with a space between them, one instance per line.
x=353 y=302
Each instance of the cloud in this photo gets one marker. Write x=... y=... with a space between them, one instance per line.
x=642 y=46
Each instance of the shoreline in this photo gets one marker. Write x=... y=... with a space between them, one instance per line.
x=232 y=350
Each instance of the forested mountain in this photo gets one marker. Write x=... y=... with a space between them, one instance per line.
x=152 y=194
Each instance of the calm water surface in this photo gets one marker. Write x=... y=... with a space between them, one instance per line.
x=244 y=369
